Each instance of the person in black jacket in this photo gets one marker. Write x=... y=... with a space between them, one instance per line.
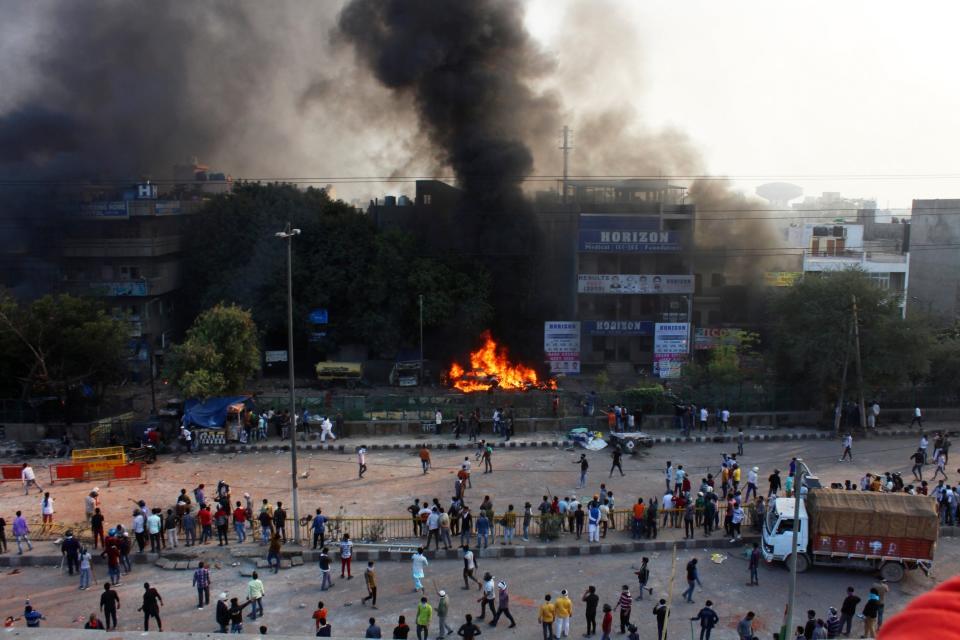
x=708 y=620
x=223 y=612
x=70 y=548
x=847 y=611
x=660 y=610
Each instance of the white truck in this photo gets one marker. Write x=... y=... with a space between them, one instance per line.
x=886 y=532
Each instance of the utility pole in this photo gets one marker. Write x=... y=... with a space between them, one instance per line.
x=288 y=235
x=856 y=341
x=566 y=161
x=797 y=505
x=843 y=382
x=420 y=377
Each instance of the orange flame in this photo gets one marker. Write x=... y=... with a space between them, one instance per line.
x=490 y=367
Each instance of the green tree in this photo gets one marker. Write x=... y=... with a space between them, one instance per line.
x=367 y=278
x=811 y=324
x=219 y=355
x=58 y=343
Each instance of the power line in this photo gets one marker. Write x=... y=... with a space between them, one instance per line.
x=497 y=177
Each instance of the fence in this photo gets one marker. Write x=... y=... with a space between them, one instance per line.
x=107 y=470
x=385 y=528
x=10 y=472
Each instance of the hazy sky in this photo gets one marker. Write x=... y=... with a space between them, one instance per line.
x=789 y=89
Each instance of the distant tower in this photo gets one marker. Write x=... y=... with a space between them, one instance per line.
x=779 y=194
x=566 y=160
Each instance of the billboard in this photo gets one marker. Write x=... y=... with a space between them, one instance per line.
x=781 y=278
x=634 y=283
x=619 y=327
x=115 y=210
x=713 y=337
x=561 y=344
x=671 y=344
x=604 y=233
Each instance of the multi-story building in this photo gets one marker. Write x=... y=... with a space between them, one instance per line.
x=935 y=259
x=128 y=252
x=879 y=249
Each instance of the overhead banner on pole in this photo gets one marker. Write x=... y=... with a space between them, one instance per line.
x=624 y=283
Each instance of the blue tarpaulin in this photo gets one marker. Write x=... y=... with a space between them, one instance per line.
x=210 y=414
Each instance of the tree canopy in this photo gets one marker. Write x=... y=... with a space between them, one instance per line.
x=57 y=344
x=811 y=328
x=369 y=280
x=220 y=353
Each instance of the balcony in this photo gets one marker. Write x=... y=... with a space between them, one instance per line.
x=121 y=247
x=870 y=261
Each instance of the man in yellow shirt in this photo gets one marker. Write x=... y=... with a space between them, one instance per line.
x=563 y=609
x=546 y=617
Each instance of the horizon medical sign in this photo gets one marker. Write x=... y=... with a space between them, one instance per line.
x=606 y=233
x=561 y=345
x=671 y=346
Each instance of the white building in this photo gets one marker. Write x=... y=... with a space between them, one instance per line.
x=834 y=247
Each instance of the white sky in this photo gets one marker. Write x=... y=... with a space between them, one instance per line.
x=790 y=89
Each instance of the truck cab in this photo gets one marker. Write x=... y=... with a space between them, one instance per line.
x=778 y=530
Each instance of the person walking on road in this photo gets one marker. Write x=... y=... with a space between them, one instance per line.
x=424 y=615
x=584 y=466
x=29 y=479
x=745 y=626
x=255 y=593
x=503 y=606
x=109 y=603
x=563 y=608
x=590 y=600
x=847 y=448
x=151 y=606
x=21 y=533
x=370 y=579
x=545 y=616
x=847 y=610
x=442 y=609
x=362 y=460
x=643 y=577
x=420 y=563
x=617 y=457
x=917 y=469
x=693 y=579
x=754 y=566
x=917 y=417
x=201 y=580
x=708 y=620
x=660 y=611
x=625 y=604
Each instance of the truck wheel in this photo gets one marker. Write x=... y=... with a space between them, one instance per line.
x=892 y=571
x=803 y=563
x=630 y=445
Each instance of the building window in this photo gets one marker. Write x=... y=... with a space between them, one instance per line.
x=882 y=280
x=427 y=198
x=129 y=272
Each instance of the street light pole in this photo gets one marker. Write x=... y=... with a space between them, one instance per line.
x=797 y=503
x=287 y=234
x=420 y=377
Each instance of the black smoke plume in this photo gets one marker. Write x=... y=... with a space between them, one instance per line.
x=468 y=67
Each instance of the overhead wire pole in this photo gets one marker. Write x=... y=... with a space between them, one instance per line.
x=797 y=505
x=856 y=353
x=843 y=382
x=566 y=161
x=288 y=234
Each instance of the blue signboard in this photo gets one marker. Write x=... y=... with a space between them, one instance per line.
x=116 y=210
x=625 y=234
x=319 y=316
x=619 y=327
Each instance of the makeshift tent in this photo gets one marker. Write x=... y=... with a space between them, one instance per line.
x=211 y=413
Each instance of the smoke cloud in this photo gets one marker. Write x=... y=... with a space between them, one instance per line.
x=469 y=69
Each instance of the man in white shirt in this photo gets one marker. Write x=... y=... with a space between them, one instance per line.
x=29 y=478
x=917 y=417
x=666 y=505
x=326 y=430
x=362 y=460
x=704 y=417
x=752 y=477
x=924 y=443
x=420 y=563
x=725 y=418
x=438 y=420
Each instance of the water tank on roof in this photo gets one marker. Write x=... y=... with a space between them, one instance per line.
x=403 y=201
x=390 y=201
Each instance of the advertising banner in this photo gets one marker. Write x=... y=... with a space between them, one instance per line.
x=781 y=278
x=601 y=233
x=561 y=344
x=634 y=283
x=711 y=338
x=116 y=210
x=671 y=344
x=619 y=327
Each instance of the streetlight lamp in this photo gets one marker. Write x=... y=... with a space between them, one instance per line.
x=798 y=480
x=420 y=377
x=288 y=234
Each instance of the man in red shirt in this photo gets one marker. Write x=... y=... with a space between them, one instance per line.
x=206 y=521
x=239 y=522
